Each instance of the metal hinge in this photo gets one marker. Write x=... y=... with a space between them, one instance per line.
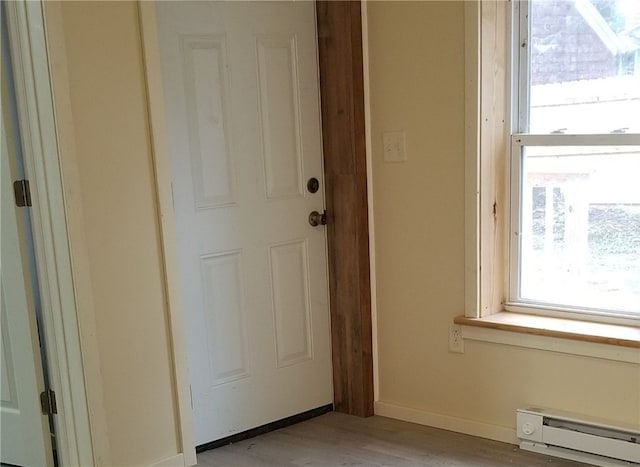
x=48 y=402
x=22 y=193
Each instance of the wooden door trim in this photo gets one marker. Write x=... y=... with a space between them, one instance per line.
x=340 y=52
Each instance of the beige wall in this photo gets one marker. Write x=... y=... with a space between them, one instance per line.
x=417 y=85
x=109 y=185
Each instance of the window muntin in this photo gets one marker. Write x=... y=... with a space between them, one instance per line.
x=575 y=157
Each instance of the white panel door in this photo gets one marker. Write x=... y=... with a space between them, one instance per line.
x=24 y=431
x=242 y=101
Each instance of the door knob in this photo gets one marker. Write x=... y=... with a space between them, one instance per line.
x=316 y=219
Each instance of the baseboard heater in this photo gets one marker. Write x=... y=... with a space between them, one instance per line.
x=571 y=437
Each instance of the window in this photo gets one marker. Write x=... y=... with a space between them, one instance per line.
x=554 y=162
x=574 y=185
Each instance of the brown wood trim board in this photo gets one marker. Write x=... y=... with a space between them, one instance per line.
x=343 y=128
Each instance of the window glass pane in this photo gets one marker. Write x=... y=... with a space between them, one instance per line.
x=585 y=66
x=580 y=227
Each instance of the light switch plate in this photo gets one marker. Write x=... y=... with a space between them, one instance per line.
x=394 y=146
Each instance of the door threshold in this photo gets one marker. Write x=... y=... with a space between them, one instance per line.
x=273 y=426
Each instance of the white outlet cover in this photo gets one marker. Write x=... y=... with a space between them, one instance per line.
x=394 y=146
x=456 y=340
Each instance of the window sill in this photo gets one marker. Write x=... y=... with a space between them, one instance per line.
x=608 y=341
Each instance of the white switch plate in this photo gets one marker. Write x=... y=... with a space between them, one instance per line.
x=394 y=146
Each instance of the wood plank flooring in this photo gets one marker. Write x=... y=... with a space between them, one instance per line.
x=336 y=439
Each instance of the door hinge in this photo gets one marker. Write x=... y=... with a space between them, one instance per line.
x=48 y=402
x=22 y=193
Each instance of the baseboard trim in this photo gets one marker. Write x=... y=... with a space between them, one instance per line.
x=173 y=461
x=446 y=422
x=282 y=423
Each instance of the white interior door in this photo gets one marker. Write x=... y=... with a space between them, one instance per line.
x=242 y=102
x=24 y=430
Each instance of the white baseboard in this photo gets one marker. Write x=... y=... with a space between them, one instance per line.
x=446 y=422
x=173 y=461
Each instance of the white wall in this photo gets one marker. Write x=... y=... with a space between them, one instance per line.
x=417 y=85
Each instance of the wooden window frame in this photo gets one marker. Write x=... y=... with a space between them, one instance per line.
x=487 y=98
x=487 y=140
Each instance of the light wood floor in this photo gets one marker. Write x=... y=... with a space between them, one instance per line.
x=336 y=439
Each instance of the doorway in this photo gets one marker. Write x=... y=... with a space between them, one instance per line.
x=27 y=433
x=24 y=27
x=342 y=103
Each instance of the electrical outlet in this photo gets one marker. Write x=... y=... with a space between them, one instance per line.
x=456 y=343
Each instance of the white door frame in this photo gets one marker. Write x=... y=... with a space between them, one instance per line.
x=53 y=262
x=164 y=192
